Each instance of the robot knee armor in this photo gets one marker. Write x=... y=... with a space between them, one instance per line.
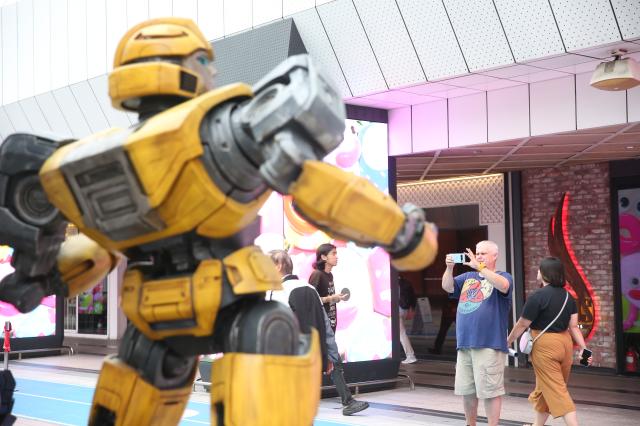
x=155 y=361
x=264 y=328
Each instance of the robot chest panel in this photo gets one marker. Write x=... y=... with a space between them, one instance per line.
x=121 y=200
x=105 y=185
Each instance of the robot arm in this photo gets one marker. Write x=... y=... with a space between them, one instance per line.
x=44 y=264
x=295 y=119
x=350 y=207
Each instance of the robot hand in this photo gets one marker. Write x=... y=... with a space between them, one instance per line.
x=416 y=245
x=29 y=223
x=26 y=293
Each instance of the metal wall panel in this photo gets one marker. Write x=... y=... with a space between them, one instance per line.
x=289 y=7
x=266 y=11
x=597 y=108
x=430 y=126
x=317 y=43
x=248 y=56
x=352 y=47
x=137 y=11
x=433 y=38
x=25 y=49
x=71 y=112
x=6 y=128
x=633 y=104
x=77 y=40
x=553 y=106
x=100 y=87
x=41 y=46
x=161 y=8
x=51 y=111
x=35 y=116
x=508 y=113
x=468 y=120
x=1 y=59
x=97 y=55
x=116 y=27
x=237 y=16
x=89 y=106
x=585 y=23
x=530 y=28
x=18 y=117
x=628 y=16
x=477 y=27
x=9 y=54
x=391 y=43
x=400 y=131
x=185 y=9
x=211 y=18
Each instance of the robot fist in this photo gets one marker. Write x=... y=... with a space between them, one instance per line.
x=416 y=245
x=25 y=293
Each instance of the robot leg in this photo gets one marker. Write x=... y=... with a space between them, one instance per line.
x=270 y=373
x=145 y=384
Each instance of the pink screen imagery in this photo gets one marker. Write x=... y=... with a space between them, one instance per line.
x=39 y=322
x=364 y=321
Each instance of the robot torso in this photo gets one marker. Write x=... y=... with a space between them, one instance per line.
x=153 y=181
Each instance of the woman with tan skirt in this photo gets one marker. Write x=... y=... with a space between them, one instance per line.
x=552 y=354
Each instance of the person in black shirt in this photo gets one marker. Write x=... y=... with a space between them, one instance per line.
x=322 y=279
x=552 y=352
x=305 y=303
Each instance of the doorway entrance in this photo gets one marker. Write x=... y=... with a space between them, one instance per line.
x=432 y=329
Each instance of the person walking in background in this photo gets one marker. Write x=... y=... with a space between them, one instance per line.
x=447 y=318
x=553 y=309
x=305 y=303
x=407 y=302
x=481 y=329
x=322 y=280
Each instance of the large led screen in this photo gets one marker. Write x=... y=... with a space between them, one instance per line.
x=39 y=322
x=364 y=321
x=629 y=237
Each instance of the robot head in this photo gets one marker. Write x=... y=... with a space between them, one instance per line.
x=161 y=57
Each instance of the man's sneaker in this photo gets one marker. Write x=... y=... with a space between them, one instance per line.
x=354 y=407
x=410 y=359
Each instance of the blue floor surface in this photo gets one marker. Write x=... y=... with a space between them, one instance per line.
x=69 y=405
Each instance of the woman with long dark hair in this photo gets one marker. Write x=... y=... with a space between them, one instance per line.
x=552 y=315
x=322 y=279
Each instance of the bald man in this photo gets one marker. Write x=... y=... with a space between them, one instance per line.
x=482 y=320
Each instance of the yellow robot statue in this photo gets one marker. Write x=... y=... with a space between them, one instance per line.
x=178 y=195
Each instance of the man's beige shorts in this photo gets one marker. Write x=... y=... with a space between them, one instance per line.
x=480 y=372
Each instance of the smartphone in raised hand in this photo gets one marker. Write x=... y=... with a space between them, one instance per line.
x=459 y=257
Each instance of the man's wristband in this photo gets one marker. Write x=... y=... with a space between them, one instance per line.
x=481 y=266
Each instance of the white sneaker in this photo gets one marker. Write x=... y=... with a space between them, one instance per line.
x=410 y=359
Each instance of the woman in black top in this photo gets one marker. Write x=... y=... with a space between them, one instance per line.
x=552 y=354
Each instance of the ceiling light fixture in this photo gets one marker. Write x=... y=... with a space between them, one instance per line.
x=619 y=74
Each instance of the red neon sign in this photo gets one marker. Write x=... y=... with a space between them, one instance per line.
x=577 y=283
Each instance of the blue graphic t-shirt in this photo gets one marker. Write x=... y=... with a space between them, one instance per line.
x=482 y=319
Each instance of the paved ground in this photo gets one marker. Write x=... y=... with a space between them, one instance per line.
x=58 y=390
